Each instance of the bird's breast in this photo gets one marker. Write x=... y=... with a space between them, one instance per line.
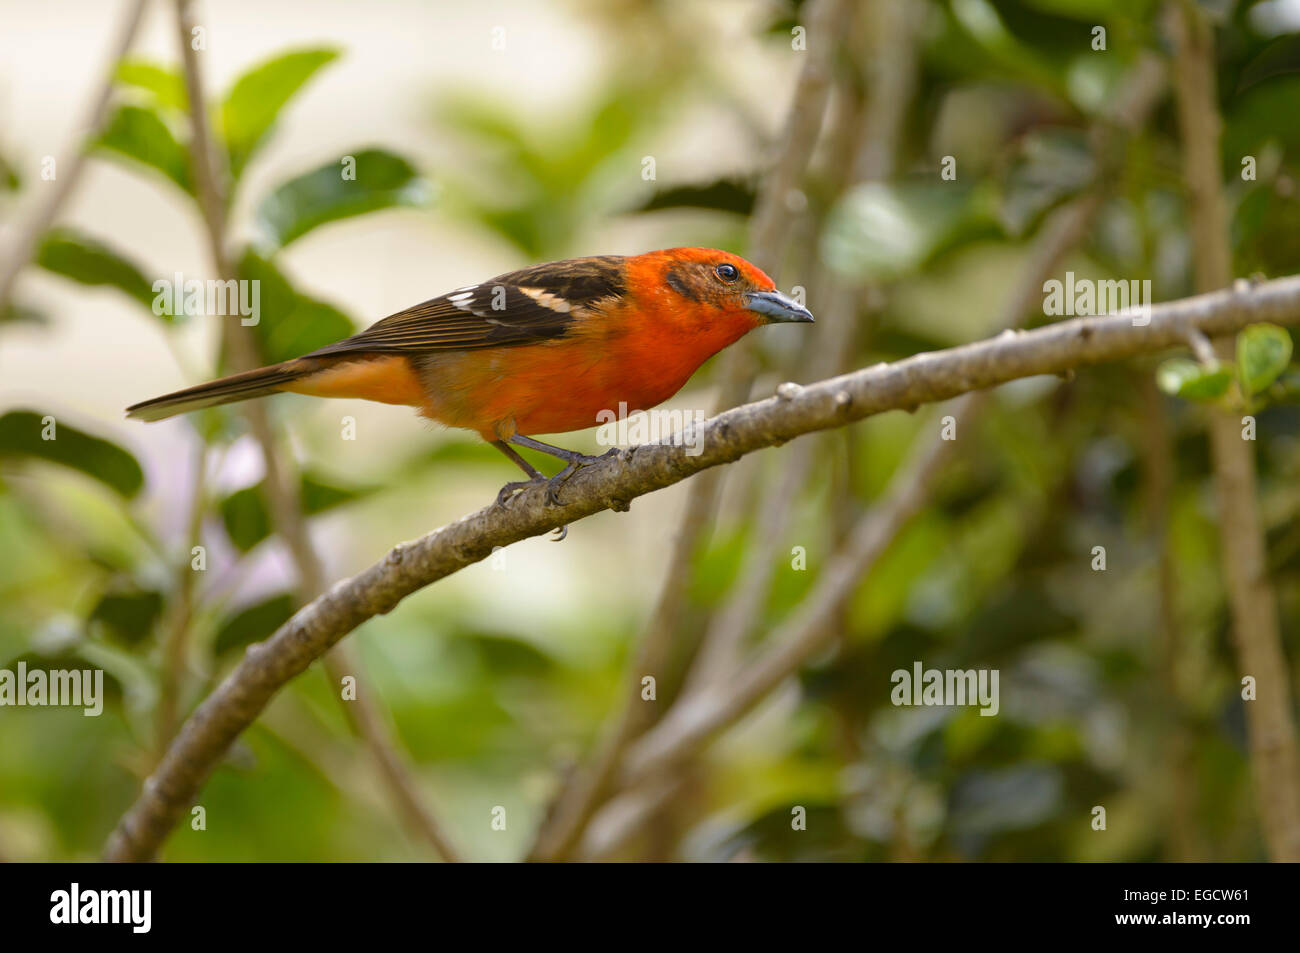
x=555 y=386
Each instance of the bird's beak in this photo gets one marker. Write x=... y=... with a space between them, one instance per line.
x=776 y=307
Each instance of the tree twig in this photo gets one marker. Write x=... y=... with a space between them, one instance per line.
x=1065 y=229
x=284 y=503
x=30 y=233
x=175 y=644
x=891 y=59
x=768 y=234
x=614 y=483
x=1255 y=624
x=1157 y=486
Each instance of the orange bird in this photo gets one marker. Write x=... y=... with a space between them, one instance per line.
x=536 y=351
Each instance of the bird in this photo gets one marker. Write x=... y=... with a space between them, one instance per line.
x=542 y=350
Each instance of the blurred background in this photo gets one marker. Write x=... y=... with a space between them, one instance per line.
x=957 y=154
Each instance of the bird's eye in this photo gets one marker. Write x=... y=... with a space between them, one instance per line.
x=727 y=272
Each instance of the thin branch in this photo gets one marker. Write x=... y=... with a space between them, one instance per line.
x=1063 y=231
x=1255 y=623
x=768 y=235
x=368 y=723
x=30 y=233
x=570 y=810
x=769 y=227
x=699 y=715
x=1177 y=753
x=891 y=66
x=284 y=504
x=614 y=483
x=175 y=646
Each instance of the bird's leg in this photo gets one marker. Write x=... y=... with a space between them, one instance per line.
x=574 y=461
x=510 y=489
x=568 y=456
x=534 y=476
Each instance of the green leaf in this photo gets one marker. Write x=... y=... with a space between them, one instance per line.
x=246 y=517
x=319 y=495
x=67 y=660
x=982 y=22
x=1281 y=57
x=253 y=623
x=128 y=614
x=722 y=195
x=66 y=252
x=1189 y=380
x=382 y=180
x=1263 y=352
x=165 y=86
x=506 y=655
x=24 y=433
x=142 y=136
x=291 y=324
x=251 y=106
x=248 y=521
x=1251 y=123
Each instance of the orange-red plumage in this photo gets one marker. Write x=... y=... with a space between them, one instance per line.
x=541 y=350
x=386 y=380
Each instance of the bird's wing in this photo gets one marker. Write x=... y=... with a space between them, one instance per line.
x=521 y=307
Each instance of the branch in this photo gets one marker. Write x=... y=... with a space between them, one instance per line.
x=768 y=236
x=614 y=483
x=1177 y=749
x=769 y=227
x=29 y=235
x=363 y=717
x=864 y=543
x=1054 y=349
x=1255 y=623
x=905 y=496
x=890 y=58
x=175 y=644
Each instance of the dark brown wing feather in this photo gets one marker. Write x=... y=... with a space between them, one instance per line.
x=521 y=307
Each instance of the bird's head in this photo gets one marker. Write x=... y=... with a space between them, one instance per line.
x=717 y=284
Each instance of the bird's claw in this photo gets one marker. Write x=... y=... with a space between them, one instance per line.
x=577 y=463
x=510 y=489
x=553 y=485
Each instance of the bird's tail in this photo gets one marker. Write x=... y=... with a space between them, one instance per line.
x=227 y=390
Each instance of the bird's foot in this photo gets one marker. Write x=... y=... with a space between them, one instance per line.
x=553 y=485
x=576 y=463
x=586 y=460
x=510 y=489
